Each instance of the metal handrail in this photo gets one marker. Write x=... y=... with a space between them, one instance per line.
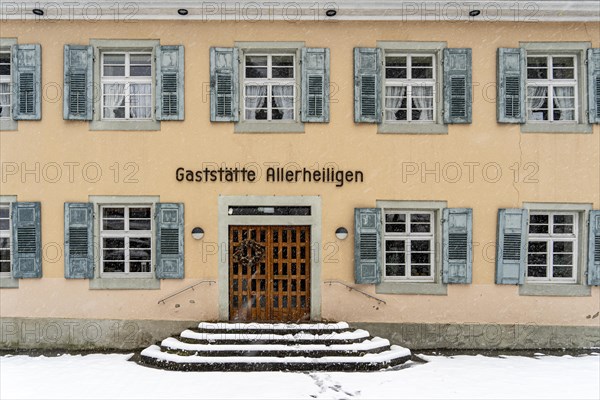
x=209 y=281
x=350 y=288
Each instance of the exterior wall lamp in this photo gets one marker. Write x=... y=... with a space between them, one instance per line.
x=341 y=233
x=197 y=233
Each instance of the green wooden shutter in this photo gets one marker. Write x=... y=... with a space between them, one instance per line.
x=510 y=100
x=593 y=272
x=511 y=246
x=79 y=241
x=315 y=85
x=169 y=241
x=26 y=240
x=170 y=83
x=79 y=82
x=457 y=230
x=224 y=97
x=367 y=245
x=457 y=86
x=593 y=67
x=367 y=85
x=27 y=81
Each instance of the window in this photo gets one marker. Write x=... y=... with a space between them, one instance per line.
x=269 y=87
x=5 y=84
x=409 y=245
x=126 y=239
x=552 y=247
x=5 y=238
x=410 y=87
x=127 y=85
x=551 y=88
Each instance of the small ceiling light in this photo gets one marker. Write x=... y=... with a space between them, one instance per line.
x=182 y=11
x=197 y=233
x=331 y=13
x=38 y=11
x=474 y=13
x=341 y=233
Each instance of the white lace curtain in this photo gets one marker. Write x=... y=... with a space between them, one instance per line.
x=255 y=98
x=536 y=96
x=564 y=99
x=140 y=100
x=395 y=95
x=114 y=100
x=284 y=100
x=423 y=98
x=4 y=100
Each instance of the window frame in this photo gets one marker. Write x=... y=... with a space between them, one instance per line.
x=409 y=82
x=7 y=234
x=549 y=239
x=127 y=234
x=579 y=50
x=9 y=124
x=437 y=126
x=269 y=126
x=6 y=279
x=101 y=46
x=127 y=80
x=551 y=83
x=579 y=287
x=412 y=287
x=130 y=281
x=270 y=82
x=409 y=237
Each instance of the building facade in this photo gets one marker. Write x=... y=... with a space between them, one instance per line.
x=428 y=170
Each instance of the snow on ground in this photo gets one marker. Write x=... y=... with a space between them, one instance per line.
x=111 y=376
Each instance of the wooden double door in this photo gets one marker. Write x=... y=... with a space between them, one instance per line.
x=269 y=273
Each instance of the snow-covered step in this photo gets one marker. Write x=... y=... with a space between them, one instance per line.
x=279 y=350
x=280 y=328
x=371 y=361
x=275 y=338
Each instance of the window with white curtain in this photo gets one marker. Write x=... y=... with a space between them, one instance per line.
x=5 y=84
x=410 y=87
x=551 y=88
x=269 y=87
x=127 y=85
x=5 y=230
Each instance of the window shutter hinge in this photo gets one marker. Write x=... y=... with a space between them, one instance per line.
x=585 y=62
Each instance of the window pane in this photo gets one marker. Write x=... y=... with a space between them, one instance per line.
x=419 y=245
x=4 y=212
x=4 y=225
x=395 y=67
x=138 y=266
x=563 y=247
x=282 y=73
x=256 y=102
x=4 y=243
x=113 y=255
x=562 y=259
x=5 y=255
x=537 y=68
x=538 y=223
x=395 y=270
x=114 y=100
x=140 y=70
x=113 y=224
x=422 y=68
x=538 y=219
x=563 y=68
x=420 y=270
x=537 y=259
x=140 y=100
x=112 y=266
x=278 y=61
x=138 y=255
x=139 y=224
x=394 y=258
x=5 y=63
x=562 y=272
x=139 y=212
x=397 y=228
x=4 y=266
x=395 y=217
x=394 y=245
x=536 y=271
x=563 y=219
x=537 y=247
x=140 y=59
x=139 y=243
x=256 y=66
x=114 y=59
x=113 y=212
x=113 y=243
x=111 y=70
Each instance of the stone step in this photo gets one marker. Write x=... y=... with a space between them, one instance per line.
x=277 y=328
x=351 y=336
x=154 y=356
x=374 y=345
